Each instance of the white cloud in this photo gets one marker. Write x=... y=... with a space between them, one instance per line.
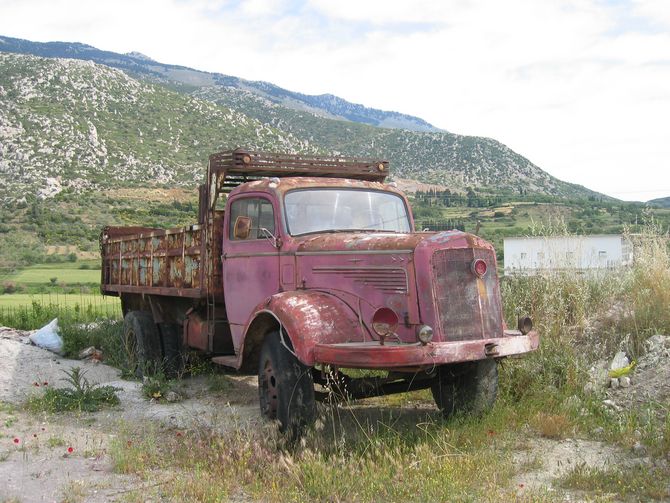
x=582 y=88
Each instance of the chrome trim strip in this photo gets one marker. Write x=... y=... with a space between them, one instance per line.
x=259 y=254
x=356 y=252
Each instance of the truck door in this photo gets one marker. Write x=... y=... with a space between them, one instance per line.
x=250 y=259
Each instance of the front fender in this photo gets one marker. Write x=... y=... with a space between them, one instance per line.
x=310 y=318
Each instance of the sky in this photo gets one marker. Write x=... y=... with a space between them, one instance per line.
x=579 y=87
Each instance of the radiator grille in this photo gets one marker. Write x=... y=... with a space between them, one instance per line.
x=386 y=279
x=467 y=307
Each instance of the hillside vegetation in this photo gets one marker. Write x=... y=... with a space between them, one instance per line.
x=67 y=124
x=93 y=126
x=76 y=138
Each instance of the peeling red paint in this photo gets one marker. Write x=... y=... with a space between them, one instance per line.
x=322 y=289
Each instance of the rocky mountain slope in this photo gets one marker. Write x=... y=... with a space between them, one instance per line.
x=71 y=123
x=75 y=124
x=143 y=67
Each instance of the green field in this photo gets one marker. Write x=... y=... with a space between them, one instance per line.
x=68 y=273
x=65 y=301
x=29 y=311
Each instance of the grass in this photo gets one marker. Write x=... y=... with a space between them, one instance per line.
x=376 y=462
x=66 y=301
x=638 y=482
x=157 y=386
x=355 y=453
x=55 y=442
x=80 y=396
x=70 y=273
x=392 y=452
x=29 y=312
x=218 y=383
x=52 y=278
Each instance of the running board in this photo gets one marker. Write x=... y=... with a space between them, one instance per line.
x=226 y=361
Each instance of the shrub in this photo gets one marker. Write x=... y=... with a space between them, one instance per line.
x=105 y=335
x=8 y=287
x=81 y=396
x=648 y=288
x=583 y=318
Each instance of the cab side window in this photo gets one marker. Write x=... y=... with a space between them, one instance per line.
x=258 y=210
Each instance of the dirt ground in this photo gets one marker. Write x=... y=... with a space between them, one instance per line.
x=45 y=458
x=40 y=468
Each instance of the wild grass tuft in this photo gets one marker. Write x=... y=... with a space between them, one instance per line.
x=638 y=482
x=81 y=396
x=378 y=461
x=156 y=386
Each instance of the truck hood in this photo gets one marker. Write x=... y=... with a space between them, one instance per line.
x=388 y=241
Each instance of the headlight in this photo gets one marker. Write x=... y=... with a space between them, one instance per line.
x=384 y=322
x=525 y=325
x=425 y=334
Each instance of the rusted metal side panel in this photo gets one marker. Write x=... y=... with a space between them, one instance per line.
x=159 y=262
x=212 y=274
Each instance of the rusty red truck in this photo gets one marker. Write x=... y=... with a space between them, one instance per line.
x=301 y=267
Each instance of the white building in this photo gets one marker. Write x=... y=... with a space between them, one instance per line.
x=532 y=255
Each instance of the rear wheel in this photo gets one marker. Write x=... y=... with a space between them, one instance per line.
x=142 y=344
x=286 y=388
x=173 y=357
x=470 y=387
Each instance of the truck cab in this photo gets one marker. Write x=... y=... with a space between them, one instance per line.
x=314 y=267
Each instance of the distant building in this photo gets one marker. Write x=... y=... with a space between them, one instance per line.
x=534 y=255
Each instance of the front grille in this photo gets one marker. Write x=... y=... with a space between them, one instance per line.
x=467 y=307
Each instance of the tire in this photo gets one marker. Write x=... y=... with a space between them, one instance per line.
x=173 y=358
x=469 y=388
x=286 y=388
x=142 y=344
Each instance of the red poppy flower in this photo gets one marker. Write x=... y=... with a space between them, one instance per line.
x=521 y=486
x=16 y=440
x=34 y=435
x=70 y=450
x=36 y=384
x=179 y=433
x=45 y=383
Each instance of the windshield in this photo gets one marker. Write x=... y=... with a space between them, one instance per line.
x=318 y=210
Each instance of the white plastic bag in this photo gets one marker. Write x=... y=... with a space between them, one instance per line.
x=47 y=337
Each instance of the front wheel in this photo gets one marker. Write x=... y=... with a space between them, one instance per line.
x=286 y=388
x=470 y=387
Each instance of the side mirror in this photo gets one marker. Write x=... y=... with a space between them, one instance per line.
x=276 y=242
x=242 y=227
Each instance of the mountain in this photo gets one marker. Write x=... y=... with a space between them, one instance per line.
x=66 y=123
x=142 y=66
x=442 y=158
x=661 y=202
x=79 y=125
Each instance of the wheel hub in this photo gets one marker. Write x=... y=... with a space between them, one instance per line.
x=269 y=391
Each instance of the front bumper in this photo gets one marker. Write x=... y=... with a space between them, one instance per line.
x=372 y=355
